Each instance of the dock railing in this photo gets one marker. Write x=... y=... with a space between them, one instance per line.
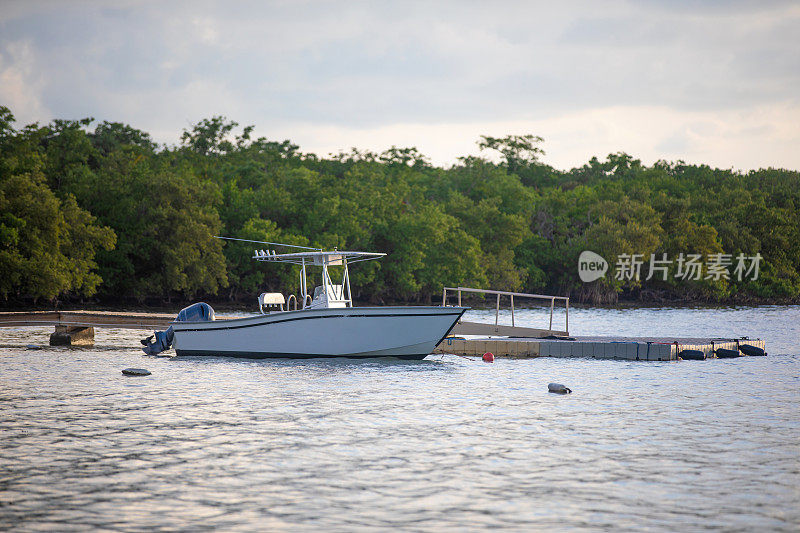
x=552 y=299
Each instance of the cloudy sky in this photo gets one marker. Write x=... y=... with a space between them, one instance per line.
x=703 y=81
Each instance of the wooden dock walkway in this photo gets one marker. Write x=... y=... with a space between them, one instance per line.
x=97 y=319
x=76 y=328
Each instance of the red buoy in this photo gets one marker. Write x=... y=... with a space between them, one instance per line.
x=488 y=357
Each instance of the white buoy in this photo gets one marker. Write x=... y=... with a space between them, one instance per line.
x=136 y=372
x=558 y=388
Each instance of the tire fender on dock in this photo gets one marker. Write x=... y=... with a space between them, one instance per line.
x=692 y=355
x=749 y=349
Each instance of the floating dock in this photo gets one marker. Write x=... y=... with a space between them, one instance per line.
x=475 y=339
x=626 y=348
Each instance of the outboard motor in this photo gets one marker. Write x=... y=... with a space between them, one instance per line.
x=199 y=312
x=162 y=340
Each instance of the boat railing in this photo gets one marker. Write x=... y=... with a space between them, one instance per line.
x=552 y=299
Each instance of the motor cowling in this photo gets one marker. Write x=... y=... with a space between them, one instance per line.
x=199 y=312
x=162 y=340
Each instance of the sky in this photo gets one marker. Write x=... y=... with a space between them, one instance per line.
x=714 y=82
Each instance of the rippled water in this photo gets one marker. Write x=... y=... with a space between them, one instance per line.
x=445 y=443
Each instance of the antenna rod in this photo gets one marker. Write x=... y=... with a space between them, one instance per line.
x=265 y=242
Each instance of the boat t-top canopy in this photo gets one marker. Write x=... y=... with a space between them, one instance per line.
x=330 y=294
x=320 y=258
x=314 y=256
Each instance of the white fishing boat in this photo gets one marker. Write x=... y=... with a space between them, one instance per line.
x=322 y=324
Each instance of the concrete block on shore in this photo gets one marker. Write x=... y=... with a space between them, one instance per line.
x=72 y=336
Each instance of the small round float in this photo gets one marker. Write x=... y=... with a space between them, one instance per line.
x=558 y=388
x=136 y=372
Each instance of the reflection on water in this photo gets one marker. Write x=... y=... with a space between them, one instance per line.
x=443 y=443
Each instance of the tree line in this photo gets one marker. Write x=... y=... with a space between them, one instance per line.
x=100 y=212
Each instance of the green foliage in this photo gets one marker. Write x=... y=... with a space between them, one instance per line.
x=47 y=245
x=110 y=136
x=166 y=220
x=518 y=151
x=108 y=211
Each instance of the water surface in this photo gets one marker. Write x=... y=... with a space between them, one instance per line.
x=445 y=443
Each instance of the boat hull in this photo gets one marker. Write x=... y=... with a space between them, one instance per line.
x=362 y=332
